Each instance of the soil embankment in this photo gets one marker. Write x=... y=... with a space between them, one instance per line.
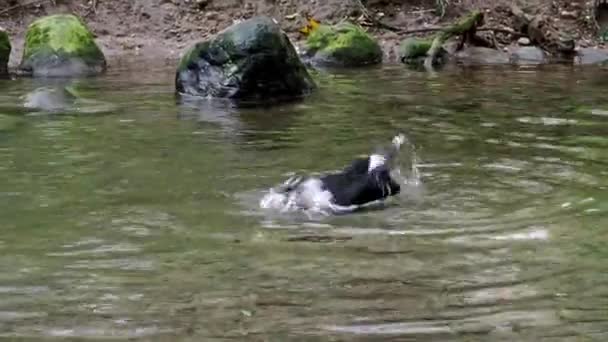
x=160 y=30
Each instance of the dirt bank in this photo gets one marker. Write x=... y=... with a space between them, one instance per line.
x=160 y=30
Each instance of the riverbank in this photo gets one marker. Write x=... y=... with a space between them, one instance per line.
x=161 y=30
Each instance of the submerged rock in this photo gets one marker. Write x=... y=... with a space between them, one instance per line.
x=252 y=60
x=49 y=99
x=61 y=45
x=66 y=100
x=5 y=52
x=344 y=44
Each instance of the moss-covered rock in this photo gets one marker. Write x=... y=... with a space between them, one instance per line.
x=344 y=44
x=413 y=51
x=61 y=45
x=5 y=51
x=253 y=61
x=413 y=48
x=431 y=51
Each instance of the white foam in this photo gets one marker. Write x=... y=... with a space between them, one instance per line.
x=309 y=196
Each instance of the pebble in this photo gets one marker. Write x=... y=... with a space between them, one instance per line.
x=523 y=41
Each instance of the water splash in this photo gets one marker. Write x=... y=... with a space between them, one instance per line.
x=408 y=173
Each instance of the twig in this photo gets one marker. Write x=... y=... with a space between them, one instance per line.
x=6 y=10
x=421 y=30
x=374 y=20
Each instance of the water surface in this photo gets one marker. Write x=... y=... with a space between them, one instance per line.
x=140 y=220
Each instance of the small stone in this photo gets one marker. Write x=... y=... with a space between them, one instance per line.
x=291 y=16
x=524 y=41
x=211 y=15
x=572 y=15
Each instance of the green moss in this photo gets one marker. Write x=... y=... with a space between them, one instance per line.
x=411 y=48
x=321 y=37
x=5 y=51
x=5 y=44
x=63 y=36
x=463 y=24
x=191 y=55
x=345 y=43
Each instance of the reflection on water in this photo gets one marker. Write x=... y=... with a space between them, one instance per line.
x=144 y=222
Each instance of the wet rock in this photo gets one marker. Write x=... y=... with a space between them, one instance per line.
x=523 y=41
x=61 y=45
x=252 y=60
x=587 y=56
x=475 y=55
x=527 y=55
x=413 y=49
x=5 y=52
x=413 y=52
x=344 y=45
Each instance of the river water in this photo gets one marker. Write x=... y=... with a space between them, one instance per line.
x=133 y=215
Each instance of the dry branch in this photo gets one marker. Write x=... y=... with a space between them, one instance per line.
x=20 y=5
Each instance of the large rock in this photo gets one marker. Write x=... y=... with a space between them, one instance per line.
x=475 y=55
x=587 y=56
x=345 y=45
x=61 y=45
x=5 y=52
x=253 y=60
x=527 y=55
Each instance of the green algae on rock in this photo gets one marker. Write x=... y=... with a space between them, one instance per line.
x=413 y=48
x=252 y=61
x=61 y=45
x=5 y=51
x=344 y=44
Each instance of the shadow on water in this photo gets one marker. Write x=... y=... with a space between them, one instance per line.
x=144 y=224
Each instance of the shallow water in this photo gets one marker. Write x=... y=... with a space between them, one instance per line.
x=141 y=220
